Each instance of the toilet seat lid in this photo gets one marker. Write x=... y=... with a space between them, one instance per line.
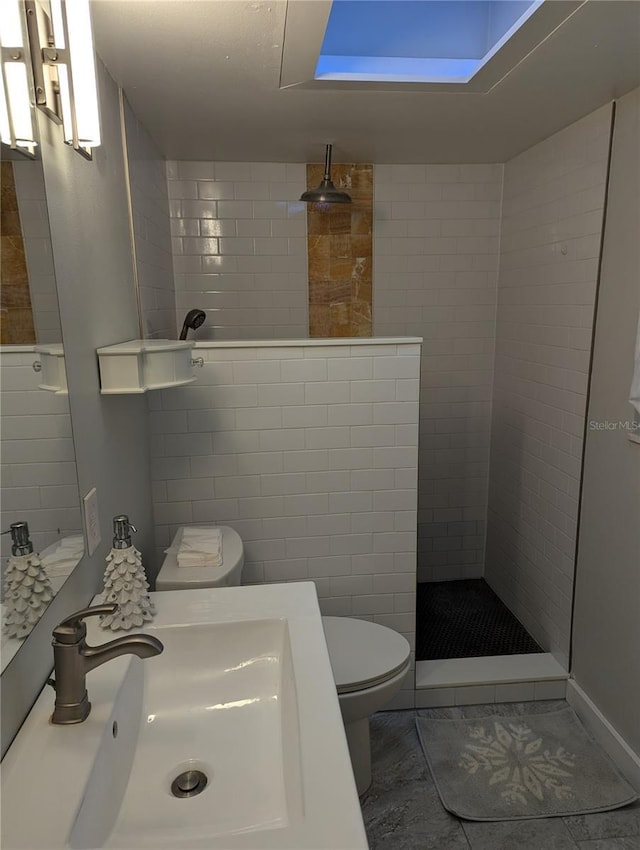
x=363 y=654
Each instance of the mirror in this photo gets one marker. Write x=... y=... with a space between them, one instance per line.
x=39 y=480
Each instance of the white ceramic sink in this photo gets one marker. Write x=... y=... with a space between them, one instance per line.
x=243 y=693
x=221 y=700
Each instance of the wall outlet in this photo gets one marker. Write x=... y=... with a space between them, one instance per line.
x=92 y=520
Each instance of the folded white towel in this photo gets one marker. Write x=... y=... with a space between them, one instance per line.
x=66 y=555
x=60 y=567
x=200 y=547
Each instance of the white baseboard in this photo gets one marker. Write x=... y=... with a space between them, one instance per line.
x=627 y=761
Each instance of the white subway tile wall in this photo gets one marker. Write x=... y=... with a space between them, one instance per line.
x=436 y=250
x=39 y=482
x=34 y=222
x=551 y=231
x=240 y=247
x=150 y=207
x=441 y=235
x=251 y=445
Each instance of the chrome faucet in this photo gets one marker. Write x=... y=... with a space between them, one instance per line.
x=73 y=659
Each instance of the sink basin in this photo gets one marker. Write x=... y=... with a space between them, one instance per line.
x=240 y=708
x=221 y=700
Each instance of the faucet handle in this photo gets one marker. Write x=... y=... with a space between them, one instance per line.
x=73 y=630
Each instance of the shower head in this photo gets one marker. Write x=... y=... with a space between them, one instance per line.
x=193 y=320
x=326 y=193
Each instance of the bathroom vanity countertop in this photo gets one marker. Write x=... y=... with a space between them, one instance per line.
x=53 y=764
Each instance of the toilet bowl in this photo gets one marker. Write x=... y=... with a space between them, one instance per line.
x=369 y=664
x=369 y=661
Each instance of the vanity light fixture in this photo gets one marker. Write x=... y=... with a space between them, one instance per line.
x=16 y=116
x=64 y=69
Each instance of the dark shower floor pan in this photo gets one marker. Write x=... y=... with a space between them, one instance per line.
x=465 y=619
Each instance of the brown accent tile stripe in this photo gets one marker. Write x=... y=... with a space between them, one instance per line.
x=16 y=316
x=340 y=250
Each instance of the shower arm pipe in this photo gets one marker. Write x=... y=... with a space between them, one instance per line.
x=327 y=163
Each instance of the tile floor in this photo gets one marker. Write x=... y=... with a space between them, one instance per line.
x=466 y=619
x=402 y=810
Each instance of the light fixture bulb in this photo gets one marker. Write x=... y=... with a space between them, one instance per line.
x=10 y=25
x=19 y=103
x=5 y=127
x=16 y=120
x=57 y=24
x=83 y=73
x=65 y=102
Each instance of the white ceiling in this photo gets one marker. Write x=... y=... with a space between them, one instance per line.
x=203 y=77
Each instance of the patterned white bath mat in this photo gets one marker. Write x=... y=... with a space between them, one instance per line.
x=527 y=766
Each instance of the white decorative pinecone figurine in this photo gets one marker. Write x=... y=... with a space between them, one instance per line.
x=125 y=583
x=27 y=592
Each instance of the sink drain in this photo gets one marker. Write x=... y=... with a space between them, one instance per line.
x=189 y=784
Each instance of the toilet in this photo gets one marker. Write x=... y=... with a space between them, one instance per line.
x=369 y=664
x=369 y=661
x=173 y=577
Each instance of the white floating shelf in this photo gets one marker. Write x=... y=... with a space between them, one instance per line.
x=145 y=364
x=52 y=368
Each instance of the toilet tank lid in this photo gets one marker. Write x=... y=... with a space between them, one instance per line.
x=232 y=555
x=362 y=653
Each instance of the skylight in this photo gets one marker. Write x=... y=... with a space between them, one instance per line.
x=420 y=41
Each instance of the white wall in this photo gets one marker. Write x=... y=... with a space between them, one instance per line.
x=34 y=222
x=150 y=209
x=435 y=270
x=436 y=255
x=39 y=483
x=550 y=244
x=90 y=234
x=310 y=453
x=92 y=253
x=606 y=631
x=239 y=247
